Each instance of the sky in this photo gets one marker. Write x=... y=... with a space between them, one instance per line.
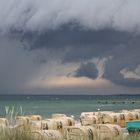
x=70 y=47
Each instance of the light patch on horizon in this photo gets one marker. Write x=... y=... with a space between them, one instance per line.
x=74 y=85
x=64 y=81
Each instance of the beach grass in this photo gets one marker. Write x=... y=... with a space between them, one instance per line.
x=11 y=134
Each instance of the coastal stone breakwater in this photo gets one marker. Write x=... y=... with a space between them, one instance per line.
x=100 y=125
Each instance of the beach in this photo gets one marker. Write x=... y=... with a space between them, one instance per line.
x=29 y=114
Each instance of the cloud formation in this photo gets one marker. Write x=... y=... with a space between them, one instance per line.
x=87 y=70
x=40 y=16
x=45 y=39
x=17 y=65
x=120 y=66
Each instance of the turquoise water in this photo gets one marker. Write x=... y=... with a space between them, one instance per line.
x=70 y=105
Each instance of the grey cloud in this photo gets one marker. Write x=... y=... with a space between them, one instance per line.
x=122 y=69
x=77 y=44
x=127 y=59
x=17 y=66
x=70 y=31
x=74 y=45
x=118 y=78
x=47 y=15
x=81 y=46
x=67 y=37
x=102 y=43
x=87 y=70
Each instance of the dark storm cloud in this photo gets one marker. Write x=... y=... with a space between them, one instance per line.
x=79 y=46
x=124 y=59
x=75 y=38
x=88 y=70
x=101 y=42
x=125 y=50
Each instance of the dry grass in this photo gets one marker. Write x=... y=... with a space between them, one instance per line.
x=12 y=134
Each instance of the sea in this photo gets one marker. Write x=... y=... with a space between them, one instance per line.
x=71 y=105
